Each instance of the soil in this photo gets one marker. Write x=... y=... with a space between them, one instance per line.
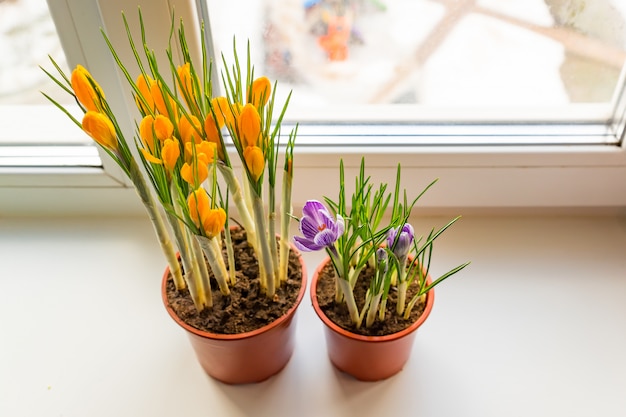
x=246 y=308
x=338 y=312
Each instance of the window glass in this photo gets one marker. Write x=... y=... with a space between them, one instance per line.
x=28 y=38
x=397 y=56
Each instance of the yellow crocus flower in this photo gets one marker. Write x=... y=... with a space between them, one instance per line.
x=212 y=220
x=101 y=129
x=204 y=147
x=150 y=127
x=261 y=89
x=144 y=85
x=196 y=172
x=225 y=113
x=170 y=153
x=249 y=123
x=255 y=161
x=159 y=96
x=146 y=133
x=186 y=83
x=163 y=127
x=190 y=127
x=83 y=85
x=221 y=108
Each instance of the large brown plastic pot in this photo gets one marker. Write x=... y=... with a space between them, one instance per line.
x=246 y=357
x=367 y=358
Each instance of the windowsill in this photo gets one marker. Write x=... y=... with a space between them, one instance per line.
x=535 y=325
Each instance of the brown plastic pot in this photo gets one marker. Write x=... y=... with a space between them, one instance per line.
x=367 y=358
x=246 y=357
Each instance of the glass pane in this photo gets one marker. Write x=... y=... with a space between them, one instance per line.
x=443 y=54
x=27 y=37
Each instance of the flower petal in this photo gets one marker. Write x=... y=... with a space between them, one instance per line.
x=312 y=208
x=308 y=227
x=325 y=238
x=305 y=245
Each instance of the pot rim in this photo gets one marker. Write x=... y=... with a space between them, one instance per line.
x=238 y=336
x=430 y=300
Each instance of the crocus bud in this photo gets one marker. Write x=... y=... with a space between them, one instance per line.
x=85 y=88
x=159 y=96
x=190 y=128
x=144 y=85
x=163 y=127
x=249 y=122
x=261 y=90
x=222 y=109
x=101 y=129
x=401 y=244
x=211 y=220
x=186 y=83
x=255 y=161
x=382 y=260
x=170 y=153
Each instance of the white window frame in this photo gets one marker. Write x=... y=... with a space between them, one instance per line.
x=484 y=176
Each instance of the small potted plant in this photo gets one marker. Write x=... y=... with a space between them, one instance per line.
x=373 y=290
x=233 y=288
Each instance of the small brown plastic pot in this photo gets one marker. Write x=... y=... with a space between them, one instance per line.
x=246 y=357
x=367 y=358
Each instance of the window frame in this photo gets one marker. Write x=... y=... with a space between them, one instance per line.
x=484 y=176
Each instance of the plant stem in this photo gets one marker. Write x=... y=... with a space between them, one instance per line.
x=271 y=236
x=244 y=213
x=230 y=255
x=350 y=302
x=400 y=306
x=285 y=210
x=192 y=274
x=373 y=309
x=264 y=255
x=157 y=222
x=201 y=266
x=216 y=261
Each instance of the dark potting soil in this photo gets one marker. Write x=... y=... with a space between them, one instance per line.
x=338 y=312
x=246 y=308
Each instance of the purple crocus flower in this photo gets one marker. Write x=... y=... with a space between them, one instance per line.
x=403 y=242
x=318 y=228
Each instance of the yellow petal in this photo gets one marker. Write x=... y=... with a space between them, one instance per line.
x=213 y=135
x=101 y=129
x=83 y=85
x=261 y=89
x=255 y=161
x=159 y=96
x=213 y=221
x=186 y=83
x=146 y=132
x=163 y=127
x=196 y=172
x=170 y=153
x=249 y=126
x=149 y=157
x=221 y=108
x=144 y=86
x=198 y=202
x=190 y=128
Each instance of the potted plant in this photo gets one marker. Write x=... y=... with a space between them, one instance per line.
x=234 y=288
x=373 y=290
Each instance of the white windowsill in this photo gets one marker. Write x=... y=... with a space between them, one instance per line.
x=534 y=326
